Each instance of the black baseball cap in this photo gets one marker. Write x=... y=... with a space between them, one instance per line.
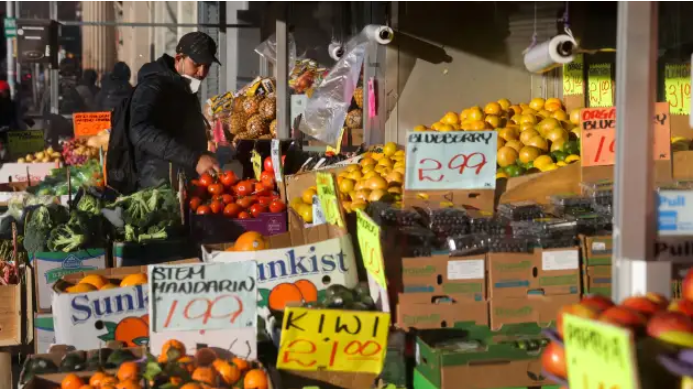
x=199 y=46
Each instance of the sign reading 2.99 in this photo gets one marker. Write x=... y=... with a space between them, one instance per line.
x=451 y=160
x=333 y=340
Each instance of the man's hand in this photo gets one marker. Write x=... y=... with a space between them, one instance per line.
x=207 y=163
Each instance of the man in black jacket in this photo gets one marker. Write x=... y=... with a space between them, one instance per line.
x=166 y=122
x=115 y=87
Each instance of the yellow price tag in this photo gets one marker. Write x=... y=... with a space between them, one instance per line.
x=257 y=164
x=598 y=355
x=333 y=340
x=338 y=147
x=678 y=88
x=328 y=199
x=600 y=85
x=573 y=76
x=369 y=236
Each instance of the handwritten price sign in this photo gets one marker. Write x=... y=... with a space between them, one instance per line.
x=333 y=340
x=21 y=143
x=598 y=355
x=90 y=123
x=369 y=235
x=598 y=135
x=573 y=77
x=678 y=88
x=328 y=199
x=600 y=85
x=206 y=296
x=451 y=160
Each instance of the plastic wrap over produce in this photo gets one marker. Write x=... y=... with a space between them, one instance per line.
x=268 y=50
x=326 y=109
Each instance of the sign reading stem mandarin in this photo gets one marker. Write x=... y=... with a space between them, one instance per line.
x=369 y=236
x=600 y=85
x=598 y=135
x=328 y=199
x=333 y=340
x=451 y=160
x=90 y=123
x=573 y=76
x=598 y=355
x=678 y=88
x=202 y=296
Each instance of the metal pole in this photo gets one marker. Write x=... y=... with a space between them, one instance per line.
x=9 y=12
x=53 y=15
x=282 y=74
x=18 y=66
x=143 y=24
x=634 y=271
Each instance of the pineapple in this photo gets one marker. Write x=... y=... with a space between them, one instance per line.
x=251 y=105
x=359 y=97
x=256 y=126
x=237 y=122
x=273 y=128
x=354 y=119
x=242 y=135
x=237 y=106
x=268 y=108
x=266 y=137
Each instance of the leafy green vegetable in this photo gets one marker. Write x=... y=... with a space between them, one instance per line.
x=89 y=204
x=149 y=214
x=83 y=230
x=40 y=221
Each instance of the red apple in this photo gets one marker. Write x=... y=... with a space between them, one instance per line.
x=553 y=360
x=623 y=317
x=641 y=304
x=671 y=327
x=580 y=310
x=659 y=299
x=598 y=301
x=687 y=286
x=683 y=306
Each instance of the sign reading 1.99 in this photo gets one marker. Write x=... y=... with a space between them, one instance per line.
x=451 y=160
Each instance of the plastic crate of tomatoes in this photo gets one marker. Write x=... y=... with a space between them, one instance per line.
x=221 y=206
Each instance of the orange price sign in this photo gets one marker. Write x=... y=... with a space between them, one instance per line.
x=598 y=135
x=573 y=76
x=90 y=123
x=678 y=88
x=600 y=85
x=598 y=355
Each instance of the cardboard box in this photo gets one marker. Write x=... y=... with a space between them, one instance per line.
x=418 y=311
x=11 y=315
x=493 y=366
x=597 y=250
x=153 y=252
x=44 y=332
x=322 y=255
x=541 y=310
x=296 y=184
x=88 y=320
x=299 y=379
x=50 y=267
x=597 y=279
x=548 y=272
x=462 y=278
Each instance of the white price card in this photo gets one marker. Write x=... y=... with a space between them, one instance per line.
x=276 y=156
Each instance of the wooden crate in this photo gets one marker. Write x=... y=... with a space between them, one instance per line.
x=11 y=315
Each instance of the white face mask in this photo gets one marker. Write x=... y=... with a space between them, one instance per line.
x=193 y=83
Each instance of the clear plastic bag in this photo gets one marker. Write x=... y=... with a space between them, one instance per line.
x=268 y=50
x=543 y=228
x=523 y=210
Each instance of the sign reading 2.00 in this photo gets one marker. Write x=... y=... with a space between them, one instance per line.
x=451 y=160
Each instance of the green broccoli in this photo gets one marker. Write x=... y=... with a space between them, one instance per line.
x=38 y=226
x=66 y=238
x=89 y=204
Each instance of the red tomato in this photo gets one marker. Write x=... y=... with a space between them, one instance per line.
x=260 y=190
x=216 y=206
x=194 y=203
x=227 y=198
x=268 y=183
x=203 y=210
x=217 y=197
x=228 y=178
x=267 y=165
x=264 y=200
x=215 y=189
x=246 y=202
x=194 y=182
x=232 y=210
x=244 y=215
x=244 y=188
x=199 y=191
x=257 y=209
x=277 y=206
x=553 y=360
x=205 y=180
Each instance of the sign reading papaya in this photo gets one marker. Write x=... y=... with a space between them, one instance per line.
x=21 y=143
x=598 y=355
x=573 y=76
x=90 y=123
x=333 y=340
x=205 y=296
x=678 y=88
x=328 y=199
x=600 y=85
x=598 y=135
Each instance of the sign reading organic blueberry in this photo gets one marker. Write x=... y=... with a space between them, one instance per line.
x=451 y=160
x=202 y=296
x=330 y=204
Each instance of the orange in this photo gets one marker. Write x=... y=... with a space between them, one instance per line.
x=500 y=142
x=171 y=344
x=86 y=387
x=504 y=103
x=109 y=286
x=308 y=290
x=553 y=104
x=547 y=124
x=528 y=154
x=557 y=145
x=575 y=116
x=255 y=379
x=529 y=111
x=80 y=288
x=515 y=110
x=527 y=118
x=128 y=371
x=96 y=378
x=306 y=213
x=463 y=115
x=538 y=142
x=241 y=363
x=506 y=156
x=477 y=125
x=527 y=126
x=515 y=144
x=475 y=114
x=129 y=384
x=537 y=103
x=493 y=121
x=544 y=113
x=71 y=381
x=450 y=118
x=542 y=162
x=420 y=128
x=191 y=385
x=205 y=375
x=560 y=115
x=282 y=294
x=376 y=195
x=526 y=135
x=108 y=381
x=442 y=128
x=346 y=185
x=508 y=133
x=376 y=183
x=229 y=373
x=493 y=108
x=94 y=280
x=250 y=241
x=307 y=195
x=557 y=134
x=515 y=119
x=134 y=279
x=187 y=363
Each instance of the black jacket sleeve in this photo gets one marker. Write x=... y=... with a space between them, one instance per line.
x=147 y=137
